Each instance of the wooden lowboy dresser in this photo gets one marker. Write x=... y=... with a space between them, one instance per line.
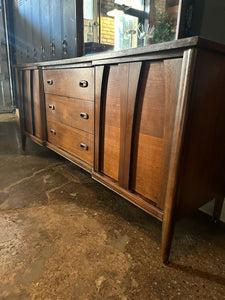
x=147 y=123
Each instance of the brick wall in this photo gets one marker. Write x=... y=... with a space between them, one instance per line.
x=107 y=30
x=107 y=23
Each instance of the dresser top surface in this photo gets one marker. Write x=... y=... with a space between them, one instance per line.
x=181 y=44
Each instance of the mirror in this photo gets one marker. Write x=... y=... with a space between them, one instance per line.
x=124 y=24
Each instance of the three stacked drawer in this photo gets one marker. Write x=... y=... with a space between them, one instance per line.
x=69 y=99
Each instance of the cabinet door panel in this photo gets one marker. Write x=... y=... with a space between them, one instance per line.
x=152 y=100
x=21 y=31
x=111 y=136
x=18 y=31
x=147 y=157
x=137 y=117
x=153 y=130
x=28 y=30
x=72 y=28
x=68 y=28
x=44 y=6
x=36 y=32
x=56 y=30
x=27 y=102
x=145 y=178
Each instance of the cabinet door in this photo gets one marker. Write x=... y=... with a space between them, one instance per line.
x=153 y=129
x=68 y=29
x=110 y=125
x=18 y=27
x=118 y=95
x=20 y=32
x=136 y=107
x=56 y=34
x=36 y=31
x=31 y=104
x=72 y=28
x=44 y=6
x=28 y=30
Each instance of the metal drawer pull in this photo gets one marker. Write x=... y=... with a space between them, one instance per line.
x=53 y=131
x=52 y=107
x=84 y=146
x=83 y=83
x=84 y=115
x=50 y=82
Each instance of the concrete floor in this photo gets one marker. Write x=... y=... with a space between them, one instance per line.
x=64 y=236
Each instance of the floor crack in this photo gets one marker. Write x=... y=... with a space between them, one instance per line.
x=6 y=189
x=55 y=189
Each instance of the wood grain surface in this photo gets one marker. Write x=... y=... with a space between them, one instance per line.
x=27 y=102
x=70 y=139
x=67 y=83
x=68 y=111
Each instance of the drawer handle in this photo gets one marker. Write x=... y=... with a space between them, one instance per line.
x=84 y=115
x=50 y=82
x=52 y=107
x=53 y=131
x=84 y=146
x=83 y=83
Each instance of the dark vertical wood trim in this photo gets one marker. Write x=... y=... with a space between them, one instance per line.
x=32 y=101
x=23 y=98
x=137 y=121
x=28 y=118
x=124 y=82
x=177 y=140
x=20 y=97
x=105 y=81
x=172 y=71
x=79 y=38
x=132 y=102
x=127 y=130
x=17 y=87
x=42 y=105
x=22 y=110
x=181 y=19
x=152 y=13
x=99 y=71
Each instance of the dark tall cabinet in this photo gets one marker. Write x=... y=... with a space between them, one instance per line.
x=46 y=29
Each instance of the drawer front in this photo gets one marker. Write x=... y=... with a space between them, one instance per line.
x=75 y=113
x=75 y=83
x=74 y=141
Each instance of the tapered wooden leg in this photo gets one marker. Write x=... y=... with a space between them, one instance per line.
x=217 y=208
x=167 y=236
x=23 y=139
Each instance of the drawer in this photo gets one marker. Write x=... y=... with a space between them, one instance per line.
x=75 y=113
x=74 y=141
x=75 y=83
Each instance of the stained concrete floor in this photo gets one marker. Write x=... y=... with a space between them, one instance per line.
x=64 y=236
